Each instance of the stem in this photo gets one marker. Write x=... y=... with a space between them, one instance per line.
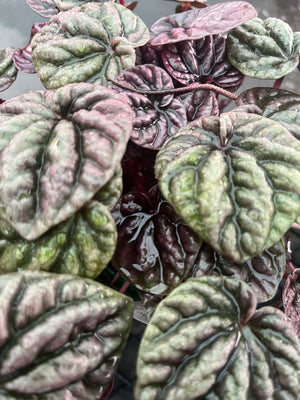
x=278 y=82
x=122 y=2
x=181 y=90
x=124 y=287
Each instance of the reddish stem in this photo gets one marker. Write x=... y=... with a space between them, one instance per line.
x=115 y=279
x=122 y=2
x=124 y=287
x=278 y=82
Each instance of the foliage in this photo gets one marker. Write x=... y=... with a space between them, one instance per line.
x=126 y=164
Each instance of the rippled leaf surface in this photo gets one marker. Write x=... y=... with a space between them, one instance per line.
x=278 y=104
x=264 y=49
x=205 y=340
x=199 y=103
x=61 y=336
x=232 y=180
x=157 y=117
x=83 y=245
x=8 y=70
x=262 y=273
x=155 y=249
x=291 y=299
x=196 y=24
x=45 y=8
x=58 y=148
x=112 y=191
x=92 y=43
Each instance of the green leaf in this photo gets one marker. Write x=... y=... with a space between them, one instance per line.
x=111 y=192
x=264 y=49
x=61 y=336
x=91 y=43
x=8 y=70
x=206 y=341
x=232 y=180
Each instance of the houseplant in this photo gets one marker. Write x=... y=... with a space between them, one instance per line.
x=204 y=204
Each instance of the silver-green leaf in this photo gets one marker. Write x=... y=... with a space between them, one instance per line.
x=8 y=70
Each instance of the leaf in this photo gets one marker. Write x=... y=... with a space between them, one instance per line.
x=263 y=49
x=156 y=117
x=83 y=245
x=8 y=70
x=204 y=60
x=22 y=57
x=280 y=105
x=58 y=148
x=110 y=193
x=196 y=24
x=61 y=337
x=65 y=5
x=205 y=340
x=155 y=249
x=91 y=43
x=199 y=103
x=291 y=299
x=231 y=179
x=262 y=273
x=45 y=8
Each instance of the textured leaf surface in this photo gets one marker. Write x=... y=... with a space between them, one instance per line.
x=280 y=105
x=61 y=336
x=8 y=70
x=205 y=340
x=262 y=273
x=110 y=193
x=58 y=148
x=291 y=299
x=199 y=103
x=231 y=179
x=65 y=5
x=195 y=24
x=156 y=117
x=91 y=43
x=155 y=249
x=263 y=49
x=83 y=245
x=45 y=8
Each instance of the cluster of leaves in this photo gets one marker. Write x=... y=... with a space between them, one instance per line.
x=127 y=164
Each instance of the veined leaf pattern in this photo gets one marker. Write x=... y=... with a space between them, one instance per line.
x=8 y=70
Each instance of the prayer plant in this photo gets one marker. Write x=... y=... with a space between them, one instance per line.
x=126 y=168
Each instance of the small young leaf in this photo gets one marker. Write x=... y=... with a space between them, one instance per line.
x=291 y=299
x=195 y=24
x=263 y=49
x=45 y=8
x=205 y=340
x=61 y=336
x=58 y=148
x=8 y=70
x=232 y=180
x=199 y=103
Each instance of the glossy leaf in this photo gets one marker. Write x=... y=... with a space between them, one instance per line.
x=58 y=148
x=280 y=105
x=291 y=299
x=8 y=70
x=204 y=60
x=155 y=249
x=156 y=117
x=83 y=245
x=61 y=336
x=263 y=49
x=196 y=24
x=110 y=193
x=199 y=103
x=22 y=57
x=92 y=43
x=262 y=273
x=232 y=180
x=205 y=340
x=45 y=8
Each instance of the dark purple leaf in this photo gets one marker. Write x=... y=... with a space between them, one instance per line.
x=8 y=70
x=148 y=54
x=22 y=57
x=196 y=24
x=204 y=60
x=291 y=299
x=45 y=8
x=199 y=103
x=155 y=250
x=157 y=117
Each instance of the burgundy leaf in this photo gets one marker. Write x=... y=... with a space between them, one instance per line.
x=45 y=8
x=148 y=54
x=196 y=24
x=156 y=117
x=22 y=57
x=156 y=249
x=199 y=103
x=291 y=299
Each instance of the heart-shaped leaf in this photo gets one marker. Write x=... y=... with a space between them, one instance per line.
x=157 y=117
x=61 y=336
x=280 y=105
x=264 y=49
x=8 y=70
x=291 y=299
x=232 y=180
x=45 y=8
x=155 y=250
x=83 y=245
x=206 y=341
x=58 y=148
x=92 y=43
x=199 y=103
x=262 y=273
x=195 y=24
